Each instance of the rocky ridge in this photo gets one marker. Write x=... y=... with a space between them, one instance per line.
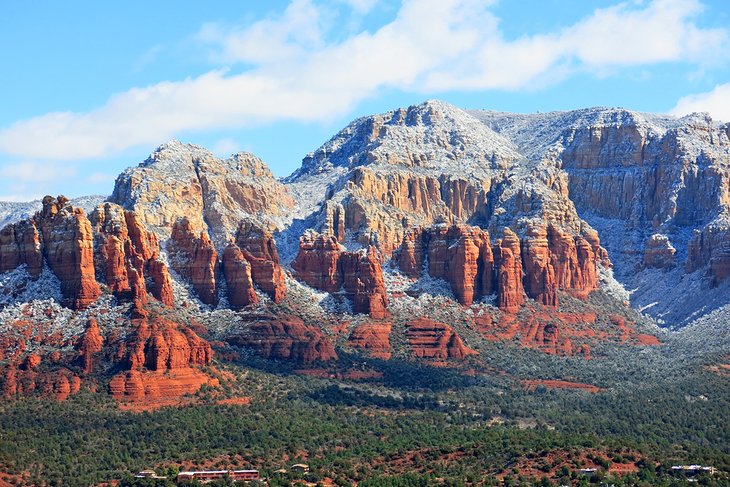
x=428 y=228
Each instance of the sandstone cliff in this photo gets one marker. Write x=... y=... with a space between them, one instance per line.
x=543 y=262
x=182 y=180
x=324 y=264
x=285 y=337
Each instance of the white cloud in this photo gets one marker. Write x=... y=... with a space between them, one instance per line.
x=35 y=172
x=716 y=102
x=287 y=68
x=361 y=6
x=100 y=178
x=225 y=147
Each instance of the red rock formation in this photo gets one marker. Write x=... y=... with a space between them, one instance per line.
x=158 y=388
x=324 y=265
x=159 y=344
x=68 y=247
x=161 y=357
x=540 y=282
x=20 y=244
x=459 y=254
x=575 y=262
x=510 y=292
x=161 y=285
x=126 y=253
x=259 y=249
x=194 y=258
x=373 y=337
x=89 y=346
x=59 y=384
x=430 y=339
x=547 y=337
x=317 y=262
x=545 y=261
x=409 y=256
x=285 y=337
x=237 y=272
x=363 y=282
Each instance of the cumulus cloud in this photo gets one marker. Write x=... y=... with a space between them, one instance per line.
x=35 y=172
x=291 y=67
x=716 y=102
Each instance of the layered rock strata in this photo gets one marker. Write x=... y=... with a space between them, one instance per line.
x=544 y=261
x=285 y=338
x=324 y=264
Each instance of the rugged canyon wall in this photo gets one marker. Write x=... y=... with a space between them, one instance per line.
x=424 y=165
x=186 y=181
x=323 y=264
x=538 y=265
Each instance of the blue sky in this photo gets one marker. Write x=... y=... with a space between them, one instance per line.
x=89 y=88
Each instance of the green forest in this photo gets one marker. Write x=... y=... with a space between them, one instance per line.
x=389 y=432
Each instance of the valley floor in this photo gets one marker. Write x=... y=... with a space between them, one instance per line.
x=412 y=425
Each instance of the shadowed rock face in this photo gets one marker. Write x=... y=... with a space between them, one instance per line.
x=659 y=252
x=285 y=337
x=323 y=264
x=433 y=340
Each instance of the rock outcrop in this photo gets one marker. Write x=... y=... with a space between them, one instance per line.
x=161 y=360
x=127 y=255
x=193 y=256
x=659 y=252
x=20 y=245
x=237 y=272
x=68 y=249
x=89 y=346
x=373 y=337
x=510 y=293
x=259 y=249
x=324 y=264
x=434 y=340
x=183 y=180
x=459 y=254
x=59 y=383
x=285 y=338
x=545 y=261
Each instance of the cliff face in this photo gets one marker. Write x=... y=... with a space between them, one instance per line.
x=161 y=359
x=543 y=262
x=68 y=249
x=323 y=264
x=657 y=189
x=259 y=249
x=374 y=337
x=126 y=255
x=434 y=340
x=237 y=272
x=286 y=338
x=182 y=180
x=194 y=257
x=430 y=163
